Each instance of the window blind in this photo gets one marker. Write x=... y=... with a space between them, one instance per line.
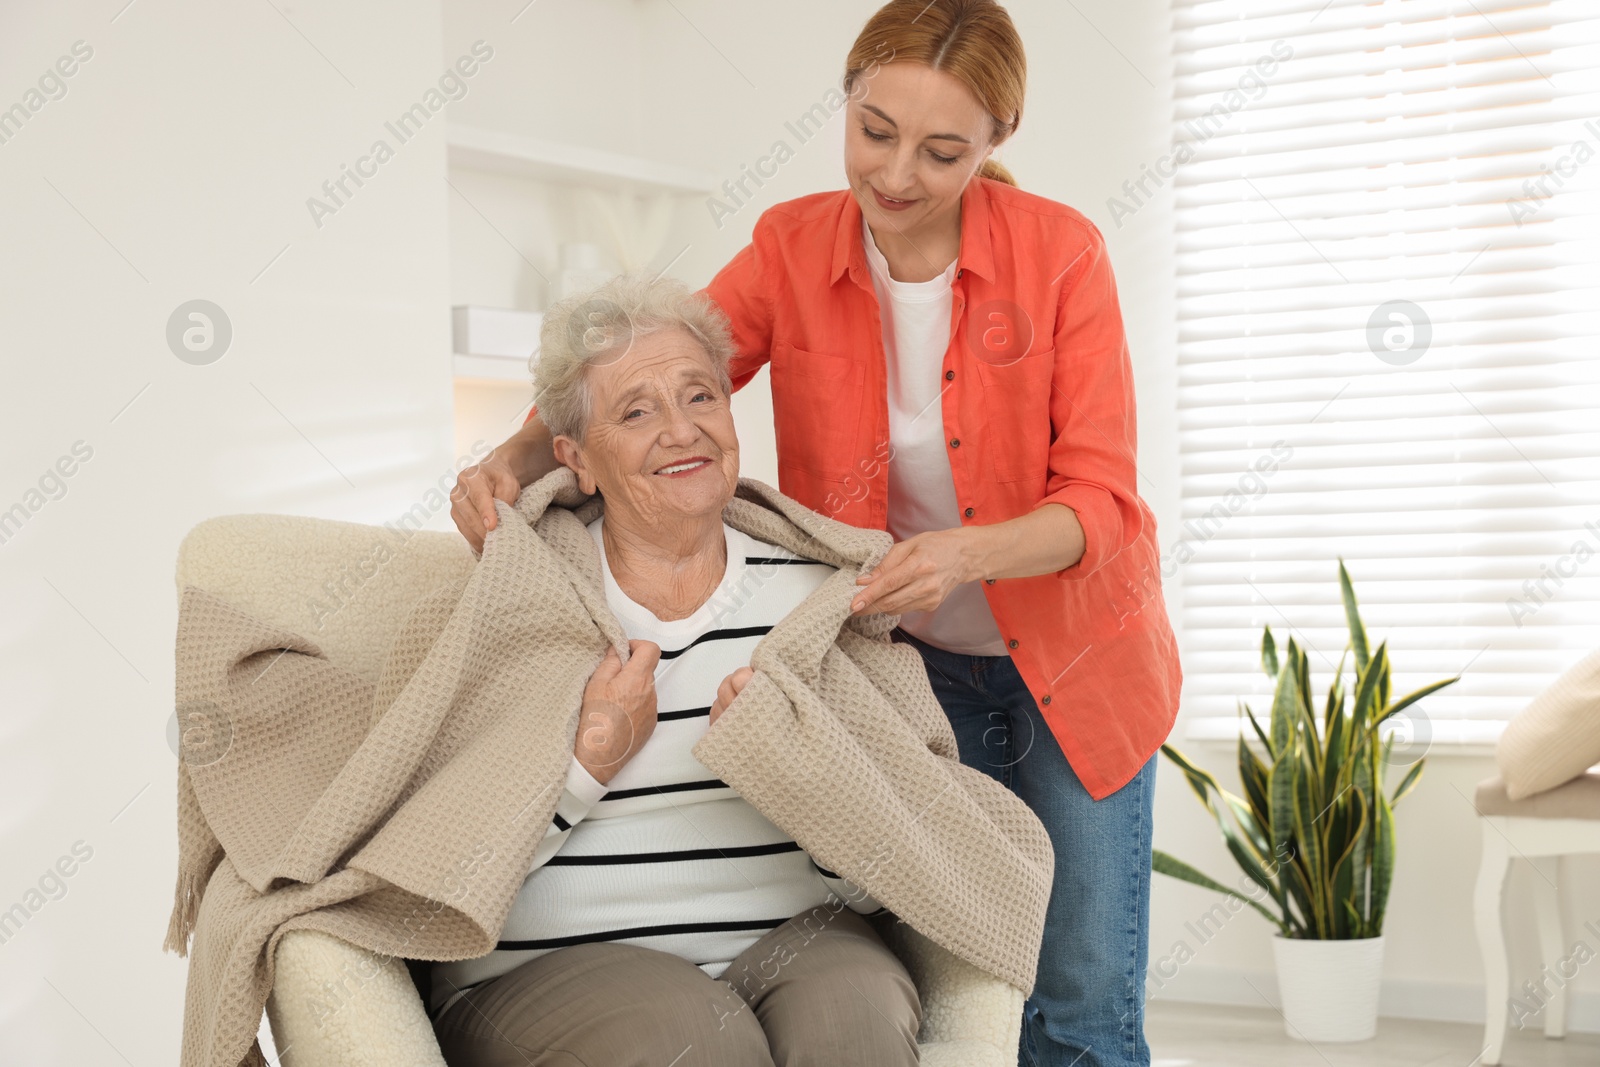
x=1388 y=302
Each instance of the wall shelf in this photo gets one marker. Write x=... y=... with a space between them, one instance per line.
x=491 y=369
x=493 y=344
x=531 y=157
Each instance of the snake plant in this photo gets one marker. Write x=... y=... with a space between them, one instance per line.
x=1314 y=831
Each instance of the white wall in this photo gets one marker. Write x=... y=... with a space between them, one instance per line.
x=177 y=167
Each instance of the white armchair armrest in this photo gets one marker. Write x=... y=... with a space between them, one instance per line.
x=336 y=1005
x=969 y=1017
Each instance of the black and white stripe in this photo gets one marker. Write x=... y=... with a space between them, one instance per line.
x=667 y=855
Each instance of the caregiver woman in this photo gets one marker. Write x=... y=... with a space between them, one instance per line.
x=948 y=363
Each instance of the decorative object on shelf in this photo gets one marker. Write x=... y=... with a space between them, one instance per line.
x=638 y=222
x=582 y=267
x=629 y=202
x=494 y=343
x=1314 y=833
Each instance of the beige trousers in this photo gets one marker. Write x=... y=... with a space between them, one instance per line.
x=822 y=989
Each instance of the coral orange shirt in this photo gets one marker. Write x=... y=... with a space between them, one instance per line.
x=1038 y=409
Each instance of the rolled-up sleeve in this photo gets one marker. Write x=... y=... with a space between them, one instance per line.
x=1092 y=465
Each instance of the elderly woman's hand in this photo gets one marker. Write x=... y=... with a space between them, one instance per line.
x=619 y=710
x=731 y=687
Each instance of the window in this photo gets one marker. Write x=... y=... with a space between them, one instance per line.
x=1388 y=292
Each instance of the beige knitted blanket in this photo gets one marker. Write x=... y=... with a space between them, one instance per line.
x=402 y=815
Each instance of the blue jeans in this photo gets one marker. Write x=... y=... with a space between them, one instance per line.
x=1087 y=1006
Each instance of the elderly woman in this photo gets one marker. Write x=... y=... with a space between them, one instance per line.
x=656 y=879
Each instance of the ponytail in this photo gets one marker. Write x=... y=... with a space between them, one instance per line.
x=993 y=168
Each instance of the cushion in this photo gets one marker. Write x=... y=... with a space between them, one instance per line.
x=1557 y=736
x=1577 y=799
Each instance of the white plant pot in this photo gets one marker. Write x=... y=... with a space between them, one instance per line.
x=1329 y=988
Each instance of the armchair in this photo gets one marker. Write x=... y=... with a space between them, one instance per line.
x=349 y=587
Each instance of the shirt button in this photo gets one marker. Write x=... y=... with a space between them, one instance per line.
x=968 y=513
x=988 y=581
x=1011 y=643
x=955 y=442
x=949 y=375
x=1046 y=700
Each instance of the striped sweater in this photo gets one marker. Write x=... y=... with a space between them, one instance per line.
x=666 y=856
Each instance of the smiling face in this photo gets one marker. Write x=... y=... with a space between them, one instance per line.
x=660 y=445
x=916 y=137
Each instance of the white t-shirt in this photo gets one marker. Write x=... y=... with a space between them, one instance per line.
x=922 y=493
x=665 y=855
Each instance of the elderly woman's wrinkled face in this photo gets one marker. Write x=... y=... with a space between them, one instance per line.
x=660 y=444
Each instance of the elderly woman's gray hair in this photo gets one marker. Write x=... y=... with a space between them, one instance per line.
x=598 y=326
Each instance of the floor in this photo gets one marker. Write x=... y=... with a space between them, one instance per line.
x=1203 y=1035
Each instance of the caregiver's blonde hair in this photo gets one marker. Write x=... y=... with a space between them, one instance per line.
x=974 y=41
x=600 y=325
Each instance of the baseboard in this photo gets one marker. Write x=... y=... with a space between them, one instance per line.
x=1398 y=999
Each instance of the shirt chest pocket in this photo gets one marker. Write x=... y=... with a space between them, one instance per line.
x=1016 y=404
x=816 y=408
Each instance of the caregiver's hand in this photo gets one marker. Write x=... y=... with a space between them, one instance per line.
x=619 y=710
x=919 y=572
x=477 y=488
x=731 y=687
x=522 y=459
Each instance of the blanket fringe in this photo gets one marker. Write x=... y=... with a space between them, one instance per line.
x=185 y=909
